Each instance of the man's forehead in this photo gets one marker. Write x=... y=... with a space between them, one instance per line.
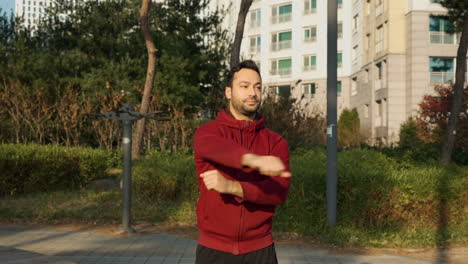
x=247 y=76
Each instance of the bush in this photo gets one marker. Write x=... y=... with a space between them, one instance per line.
x=349 y=134
x=36 y=168
x=375 y=192
x=165 y=175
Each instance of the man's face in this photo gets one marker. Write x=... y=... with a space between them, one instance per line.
x=245 y=95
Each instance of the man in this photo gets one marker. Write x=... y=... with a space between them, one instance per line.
x=243 y=173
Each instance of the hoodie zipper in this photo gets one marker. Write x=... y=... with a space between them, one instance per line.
x=241 y=224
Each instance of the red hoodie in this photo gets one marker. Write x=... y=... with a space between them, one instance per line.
x=226 y=222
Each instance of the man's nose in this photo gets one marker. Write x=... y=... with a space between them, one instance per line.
x=251 y=90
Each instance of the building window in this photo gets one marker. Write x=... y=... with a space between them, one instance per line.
x=255 y=43
x=310 y=6
x=436 y=1
x=281 y=67
x=339 y=59
x=354 y=86
x=309 y=89
x=281 y=40
x=379 y=7
x=368 y=7
x=380 y=39
x=354 y=54
x=340 y=30
x=442 y=69
x=255 y=18
x=282 y=90
x=367 y=42
x=280 y=14
x=340 y=3
x=338 y=88
x=310 y=63
x=355 y=23
x=310 y=34
x=438 y=28
x=366 y=111
x=367 y=76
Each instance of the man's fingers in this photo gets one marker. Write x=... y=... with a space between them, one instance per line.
x=286 y=174
x=207 y=173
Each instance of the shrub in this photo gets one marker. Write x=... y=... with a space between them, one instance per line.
x=36 y=168
x=165 y=175
x=349 y=134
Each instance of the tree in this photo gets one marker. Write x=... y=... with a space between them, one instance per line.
x=244 y=9
x=349 y=134
x=458 y=14
x=433 y=116
x=150 y=72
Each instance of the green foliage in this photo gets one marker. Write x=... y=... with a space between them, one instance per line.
x=409 y=135
x=36 y=168
x=382 y=201
x=285 y=116
x=456 y=11
x=165 y=176
x=349 y=133
x=100 y=44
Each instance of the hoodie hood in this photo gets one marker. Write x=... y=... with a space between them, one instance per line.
x=227 y=119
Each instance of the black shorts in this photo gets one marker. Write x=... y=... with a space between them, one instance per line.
x=206 y=255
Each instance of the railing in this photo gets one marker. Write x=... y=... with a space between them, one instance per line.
x=254 y=49
x=442 y=38
x=254 y=23
x=379 y=10
x=442 y=77
x=379 y=46
x=310 y=11
x=310 y=39
x=309 y=68
x=378 y=84
x=281 y=72
x=378 y=121
x=281 y=45
x=281 y=18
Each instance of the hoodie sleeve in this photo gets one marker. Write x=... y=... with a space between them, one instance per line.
x=271 y=190
x=210 y=145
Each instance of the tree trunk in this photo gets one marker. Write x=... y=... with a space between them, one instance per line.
x=150 y=72
x=244 y=9
x=458 y=96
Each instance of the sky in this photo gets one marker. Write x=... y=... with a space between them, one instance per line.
x=7 y=5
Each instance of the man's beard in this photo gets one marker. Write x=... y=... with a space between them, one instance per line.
x=244 y=109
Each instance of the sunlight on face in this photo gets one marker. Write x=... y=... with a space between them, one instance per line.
x=245 y=95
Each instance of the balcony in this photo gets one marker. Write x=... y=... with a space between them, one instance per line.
x=442 y=77
x=310 y=39
x=281 y=72
x=378 y=121
x=281 y=45
x=254 y=23
x=281 y=18
x=442 y=38
x=379 y=46
x=378 y=84
x=254 y=49
x=379 y=10
x=309 y=68
x=308 y=11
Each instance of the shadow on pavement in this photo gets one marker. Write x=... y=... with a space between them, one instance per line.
x=11 y=255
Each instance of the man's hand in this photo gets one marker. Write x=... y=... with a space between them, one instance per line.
x=266 y=165
x=216 y=181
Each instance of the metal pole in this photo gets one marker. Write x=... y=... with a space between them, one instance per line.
x=332 y=170
x=127 y=182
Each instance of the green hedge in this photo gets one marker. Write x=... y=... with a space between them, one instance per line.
x=41 y=168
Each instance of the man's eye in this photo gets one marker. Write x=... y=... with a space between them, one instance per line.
x=243 y=86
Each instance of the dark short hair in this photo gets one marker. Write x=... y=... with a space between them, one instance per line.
x=246 y=64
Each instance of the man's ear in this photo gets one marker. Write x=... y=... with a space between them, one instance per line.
x=228 y=92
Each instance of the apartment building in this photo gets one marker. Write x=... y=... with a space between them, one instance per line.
x=31 y=10
x=406 y=52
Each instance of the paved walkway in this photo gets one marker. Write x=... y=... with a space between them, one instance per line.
x=20 y=244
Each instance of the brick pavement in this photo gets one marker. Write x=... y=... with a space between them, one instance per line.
x=27 y=245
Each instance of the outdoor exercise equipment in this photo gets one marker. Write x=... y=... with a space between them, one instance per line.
x=128 y=116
